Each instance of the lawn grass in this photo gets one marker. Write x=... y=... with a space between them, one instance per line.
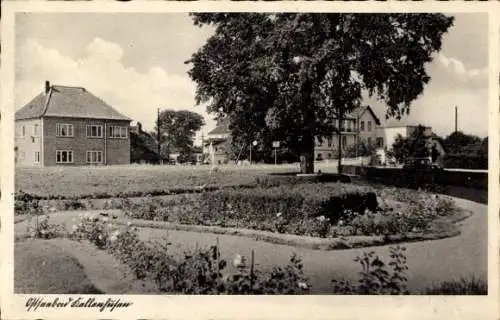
x=42 y=268
x=464 y=286
x=115 y=180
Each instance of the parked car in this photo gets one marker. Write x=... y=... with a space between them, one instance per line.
x=418 y=164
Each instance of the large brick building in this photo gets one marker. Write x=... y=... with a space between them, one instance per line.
x=70 y=126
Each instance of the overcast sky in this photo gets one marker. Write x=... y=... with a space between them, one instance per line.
x=135 y=62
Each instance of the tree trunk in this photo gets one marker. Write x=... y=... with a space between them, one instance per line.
x=307 y=156
x=339 y=164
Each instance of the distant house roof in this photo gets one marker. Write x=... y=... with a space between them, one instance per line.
x=220 y=129
x=404 y=122
x=214 y=141
x=63 y=101
x=360 y=111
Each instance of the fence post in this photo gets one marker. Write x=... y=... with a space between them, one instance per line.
x=252 y=269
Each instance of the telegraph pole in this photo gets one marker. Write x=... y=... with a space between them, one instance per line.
x=456 y=119
x=158 y=134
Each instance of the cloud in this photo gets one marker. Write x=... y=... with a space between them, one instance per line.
x=101 y=71
x=452 y=72
x=452 y=84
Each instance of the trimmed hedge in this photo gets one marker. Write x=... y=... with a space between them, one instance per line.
x=278 y=179
x=290 y=203
x=465 y=161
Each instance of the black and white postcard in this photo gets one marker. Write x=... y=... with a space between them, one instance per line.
x=232 y=160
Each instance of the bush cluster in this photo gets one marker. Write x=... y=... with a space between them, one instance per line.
x=465 y=161
x=420 y=211
x=39 y=228
x=375 y=278
x=202 y=271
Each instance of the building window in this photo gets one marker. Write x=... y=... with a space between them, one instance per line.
x=36 y=130
x=64 y=156
x=94 y=156
x=369 y=126
x=37 y=156
x=117 y=132
x=362 y=126
x=64 y=130
x=380 y=142
x=344 y=142
x=94 y=131
x=24 y=131
x=330 y=142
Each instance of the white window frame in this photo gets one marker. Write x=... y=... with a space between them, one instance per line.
x=69 y=152
x=96 y=153
x=362 y=126
x=369 y=126
x=37 y=156
x=98 y=130
x=68 y=126
x=23 y=131
x=123 y=132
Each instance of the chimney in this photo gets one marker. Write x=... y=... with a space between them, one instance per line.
x=47 y=87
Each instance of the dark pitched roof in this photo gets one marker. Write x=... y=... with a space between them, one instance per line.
x=62 y=101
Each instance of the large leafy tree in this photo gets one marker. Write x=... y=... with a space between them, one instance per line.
x=289 y=76
x=178 y=130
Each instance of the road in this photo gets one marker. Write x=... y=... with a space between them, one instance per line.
x=429 y=261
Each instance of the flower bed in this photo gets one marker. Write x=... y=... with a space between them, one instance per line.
x=318 y=210
x=303 y=209
x=200 y=272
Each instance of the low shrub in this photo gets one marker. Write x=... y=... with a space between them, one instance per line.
x=375 y=278
x=39 y=228
x=464 y=286
x=291 y=178
x=93 y=229
x=420 y=212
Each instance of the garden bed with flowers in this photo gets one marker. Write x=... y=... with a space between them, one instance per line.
x=328 y=211
x=345 y=215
